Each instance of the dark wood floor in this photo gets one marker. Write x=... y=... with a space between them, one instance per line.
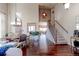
x=24 y=51
x=55 y=50
x=60 y=50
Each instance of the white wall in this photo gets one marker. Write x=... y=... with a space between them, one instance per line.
x=3 y=7
x=66 y=17
x=11 y=17
x=29 y=13
x=3 y=12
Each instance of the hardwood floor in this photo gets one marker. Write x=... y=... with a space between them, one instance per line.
x=60 y=50
x=55 y=50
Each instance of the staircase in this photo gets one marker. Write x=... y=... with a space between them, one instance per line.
x=60 y=38
x=57 y=35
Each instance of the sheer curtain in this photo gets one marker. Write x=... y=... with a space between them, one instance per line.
x=2 y=25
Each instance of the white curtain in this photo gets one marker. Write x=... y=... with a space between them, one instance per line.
x=2 y=25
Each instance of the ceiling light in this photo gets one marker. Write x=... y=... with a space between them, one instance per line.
x=67 y=5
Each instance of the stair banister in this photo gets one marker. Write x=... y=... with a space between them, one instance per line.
x=61 y=26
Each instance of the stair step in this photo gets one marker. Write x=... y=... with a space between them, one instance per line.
x=60 y=40
x=60 y=37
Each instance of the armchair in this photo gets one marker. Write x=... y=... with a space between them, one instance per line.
x=76 y=46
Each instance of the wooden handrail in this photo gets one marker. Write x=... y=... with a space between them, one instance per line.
x=61 y=26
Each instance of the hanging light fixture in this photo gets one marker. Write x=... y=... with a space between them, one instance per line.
x=67 y=5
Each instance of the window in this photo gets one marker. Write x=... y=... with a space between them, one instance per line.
x=2 y=25
x=17 y=22
x=77 y=26
x=77 y=23
x=43 y=26
x=31 y=27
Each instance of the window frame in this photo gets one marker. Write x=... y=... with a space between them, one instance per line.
x=31 y=24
